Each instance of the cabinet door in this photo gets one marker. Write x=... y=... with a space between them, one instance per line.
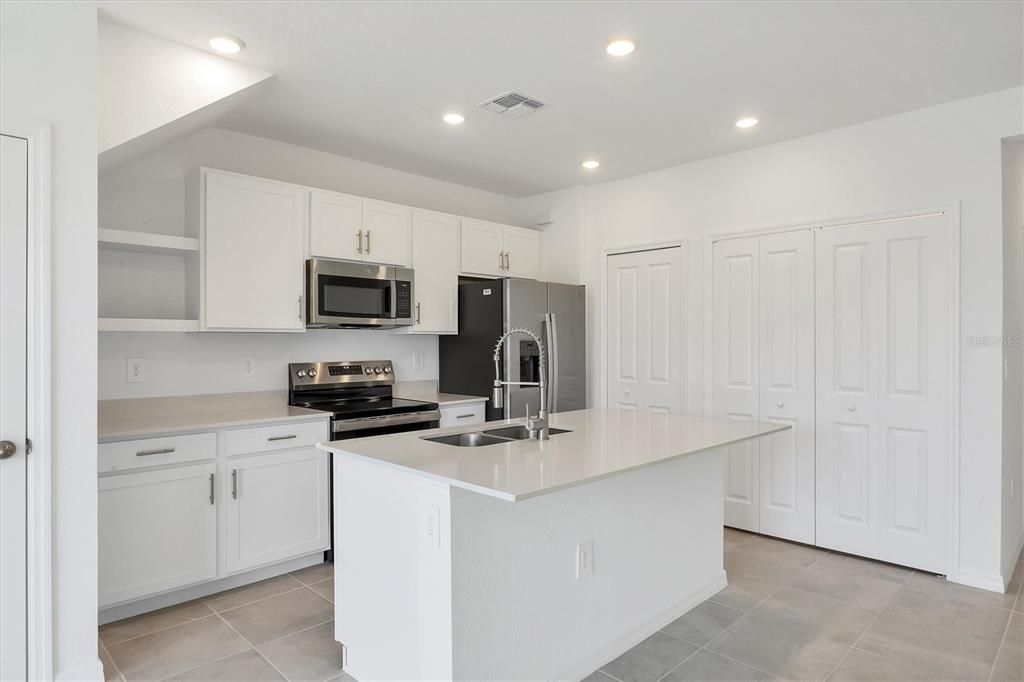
x=481 y=249
x=786 y=385
x=157 y=531
x=735 y=370
x=252 y=254
x=522 y=252
x=387 y=232
x=435 y=258
x=277 y=507
x=335 y=225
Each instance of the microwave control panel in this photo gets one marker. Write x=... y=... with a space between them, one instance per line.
x=403 y=305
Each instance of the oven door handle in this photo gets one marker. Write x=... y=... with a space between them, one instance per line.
x=346 y=425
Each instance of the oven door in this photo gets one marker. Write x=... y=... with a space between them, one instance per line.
x=341 y=294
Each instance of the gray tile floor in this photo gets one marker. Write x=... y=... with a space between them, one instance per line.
x=789 y=612
x=802 y=613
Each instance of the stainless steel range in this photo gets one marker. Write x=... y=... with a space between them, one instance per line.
x=359 y=397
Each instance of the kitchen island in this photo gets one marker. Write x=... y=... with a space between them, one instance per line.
x=526 y=559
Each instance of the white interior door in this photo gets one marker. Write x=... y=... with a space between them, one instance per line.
x=786 y=385
x=645 y=330
x=13 y=473
x=735 y=375
x=883 y=344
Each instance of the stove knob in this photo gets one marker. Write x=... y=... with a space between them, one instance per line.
x=311 y=372
x=387 y=369
x=369 y=370
x=377 y=370
x=301 y=373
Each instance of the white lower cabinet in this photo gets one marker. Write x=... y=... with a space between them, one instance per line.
x=463 y=414
x=277 y=507
x=157 y=531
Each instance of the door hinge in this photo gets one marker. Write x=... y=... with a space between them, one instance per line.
x=28 y=446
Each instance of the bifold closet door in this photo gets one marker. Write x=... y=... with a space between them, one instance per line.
x=786 y=385
x=883 y=345
x=735 y=331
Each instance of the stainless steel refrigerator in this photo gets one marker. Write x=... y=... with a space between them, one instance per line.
x=487 y=309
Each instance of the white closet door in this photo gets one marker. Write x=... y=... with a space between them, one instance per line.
x=883 y=344
x=645 y=343
x=786 y=385
x=735 y=369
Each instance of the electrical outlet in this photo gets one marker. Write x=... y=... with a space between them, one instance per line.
x=584 y=559
x=134 y=370
x=249 y=366
x=432 y=525
x=419 y=360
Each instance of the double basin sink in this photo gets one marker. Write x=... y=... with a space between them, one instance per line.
x=478 y=439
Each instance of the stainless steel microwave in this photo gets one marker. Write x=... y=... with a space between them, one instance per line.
x=347 y=295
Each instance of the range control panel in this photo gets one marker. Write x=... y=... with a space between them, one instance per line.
x=341 y=372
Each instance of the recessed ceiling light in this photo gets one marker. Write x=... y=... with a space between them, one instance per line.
x=748 y=122
x=227 y=44
x=590 y=164
x=620 y=48
x=453 y=119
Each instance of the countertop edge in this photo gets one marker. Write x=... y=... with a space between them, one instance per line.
x=107 y=437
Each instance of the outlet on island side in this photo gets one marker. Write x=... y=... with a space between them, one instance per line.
x=134 y=370
x=584 y=559
x=249 y=366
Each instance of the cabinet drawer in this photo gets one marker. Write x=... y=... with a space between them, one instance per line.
x=275 y=437
x=462 y=415
x=148 y=452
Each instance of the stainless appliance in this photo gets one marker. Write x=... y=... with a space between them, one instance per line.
x=340 y=294
x=556 y=313
x=361 y=402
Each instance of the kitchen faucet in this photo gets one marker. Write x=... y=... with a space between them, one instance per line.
x=537 y=426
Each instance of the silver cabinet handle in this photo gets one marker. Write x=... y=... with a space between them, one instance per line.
x=7 y=449
x=359 y=241
x=211 y=488
x=501 y=260
x=417 y=313
x=508 y=261
x=367 y=241
x=300 y=308
x=147 y=453
x=465 y=416
x=288 y=437
x=234 y=484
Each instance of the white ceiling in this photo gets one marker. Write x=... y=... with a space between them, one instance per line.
x=370 y=80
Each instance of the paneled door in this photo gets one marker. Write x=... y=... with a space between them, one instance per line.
x=883 y=349
x=645 y=345
x=435 y=258
x=735 y=370
x=13 y=399
x=786 y=385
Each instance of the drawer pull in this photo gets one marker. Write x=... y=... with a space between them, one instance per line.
x=147 y=453
x=211 y=488
x=465 y=416
x=273 y=438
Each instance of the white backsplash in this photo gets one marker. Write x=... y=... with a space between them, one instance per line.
x=210 y=362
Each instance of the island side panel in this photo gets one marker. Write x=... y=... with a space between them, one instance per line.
x=392 y=585
x=519 y=611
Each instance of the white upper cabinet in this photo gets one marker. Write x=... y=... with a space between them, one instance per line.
x=496 y=250
x=335 y=225
x=387 y=233
x=435 y=258
x=352 y=228
x=522 y=252
x=253 y=243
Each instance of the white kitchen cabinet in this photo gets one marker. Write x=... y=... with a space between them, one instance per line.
x=157 y=531
x=335 y=225
x=522 y=252
x=348 y=227
x=435 y=258
x=252 y=251
x=496 y=250
x=277 y=507
x=463 y=414
x=763 y=370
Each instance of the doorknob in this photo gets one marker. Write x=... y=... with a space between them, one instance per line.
x=780 y=404
x=627 y=391
x=7 y=448
x=852 y=408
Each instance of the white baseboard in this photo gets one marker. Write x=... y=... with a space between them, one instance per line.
x=109 y=614
x=614 y=648
x=1011 y=562
x=92 y=672
x=983 y=581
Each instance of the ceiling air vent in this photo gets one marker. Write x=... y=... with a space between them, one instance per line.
x=512 y=104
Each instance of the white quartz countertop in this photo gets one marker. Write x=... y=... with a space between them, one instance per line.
x=143 y=417
x=602 y=442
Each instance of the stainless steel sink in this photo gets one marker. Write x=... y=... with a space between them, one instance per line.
x=478 y=439
x=519 y=432
x=467 y=440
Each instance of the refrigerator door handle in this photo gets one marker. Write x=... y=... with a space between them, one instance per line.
x=551 y=327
